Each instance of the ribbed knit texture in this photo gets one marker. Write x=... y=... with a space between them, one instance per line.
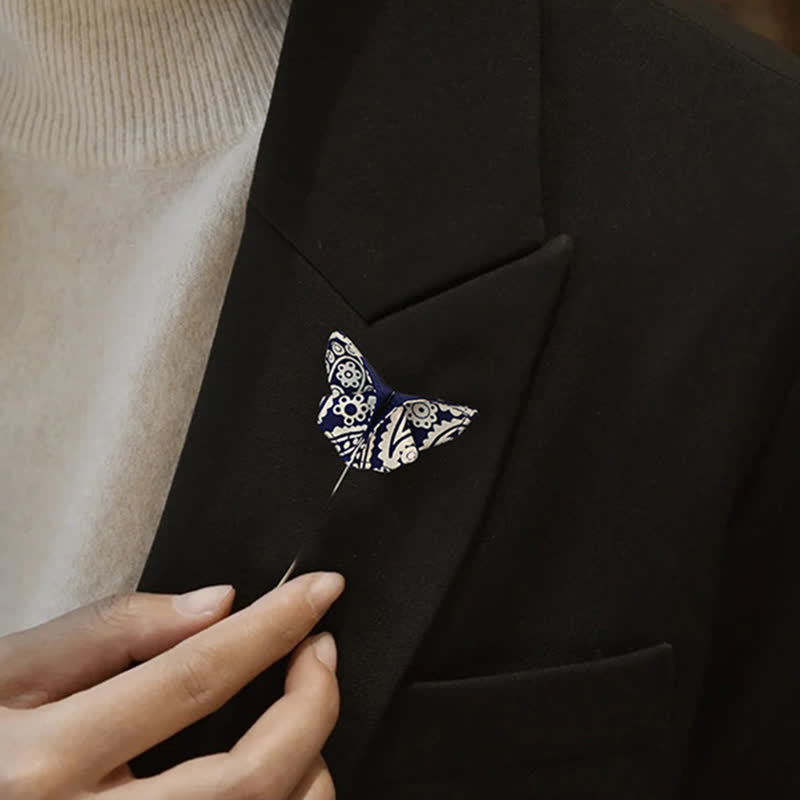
x=129 y=131
x=109 y=81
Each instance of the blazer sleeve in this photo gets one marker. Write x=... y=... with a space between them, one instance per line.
x=746 y=738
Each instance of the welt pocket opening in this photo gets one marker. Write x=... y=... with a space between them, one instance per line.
x=586 y=710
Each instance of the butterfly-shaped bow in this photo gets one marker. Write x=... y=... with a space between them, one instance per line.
x=371 y=425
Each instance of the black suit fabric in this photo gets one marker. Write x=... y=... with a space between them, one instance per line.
x=582 y=220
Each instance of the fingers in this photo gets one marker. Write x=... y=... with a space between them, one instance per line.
x=203 y=779
x=85 y=646
x=292 y=731
x=156 y=699
x=278 y=757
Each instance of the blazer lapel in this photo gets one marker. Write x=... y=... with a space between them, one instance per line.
x=401 y=537
x=396 y=197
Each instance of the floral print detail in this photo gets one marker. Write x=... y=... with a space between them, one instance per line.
x=354 y=408
x=373 y=427
x=346 y=367
x=349 y=374
x=421 y=413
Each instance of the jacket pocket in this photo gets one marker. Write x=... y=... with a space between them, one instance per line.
x=595 y=729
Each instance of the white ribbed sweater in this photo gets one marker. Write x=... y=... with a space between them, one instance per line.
x=128 y=135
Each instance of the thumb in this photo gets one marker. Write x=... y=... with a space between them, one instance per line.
x=92 y=643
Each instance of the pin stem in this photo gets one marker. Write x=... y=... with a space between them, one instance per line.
x=289 y=572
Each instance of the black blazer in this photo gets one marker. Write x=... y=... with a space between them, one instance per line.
x=582 y=219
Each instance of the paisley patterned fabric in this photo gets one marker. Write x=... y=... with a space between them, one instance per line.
x=373 y=427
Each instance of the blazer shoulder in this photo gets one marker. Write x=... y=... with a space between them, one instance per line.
x=720 y=29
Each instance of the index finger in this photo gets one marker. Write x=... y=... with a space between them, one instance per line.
x=120 y=718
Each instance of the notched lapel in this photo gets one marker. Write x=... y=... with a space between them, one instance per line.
x=401 y=151
x=400 y=538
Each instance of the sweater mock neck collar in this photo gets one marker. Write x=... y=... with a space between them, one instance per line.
x=100 y=82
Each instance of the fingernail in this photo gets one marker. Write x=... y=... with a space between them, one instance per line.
x=325 y=588
x=325 y=651
x=201 y=602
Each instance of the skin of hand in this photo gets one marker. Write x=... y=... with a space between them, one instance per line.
x=72 y=715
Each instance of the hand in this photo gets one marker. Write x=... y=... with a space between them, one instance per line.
x=71 y=719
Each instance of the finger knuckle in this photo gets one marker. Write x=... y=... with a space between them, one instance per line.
x=116 y=610
x=290 y=622
x=195 y=678
x=277 y=621
x=20 y=686
x=254 y=631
